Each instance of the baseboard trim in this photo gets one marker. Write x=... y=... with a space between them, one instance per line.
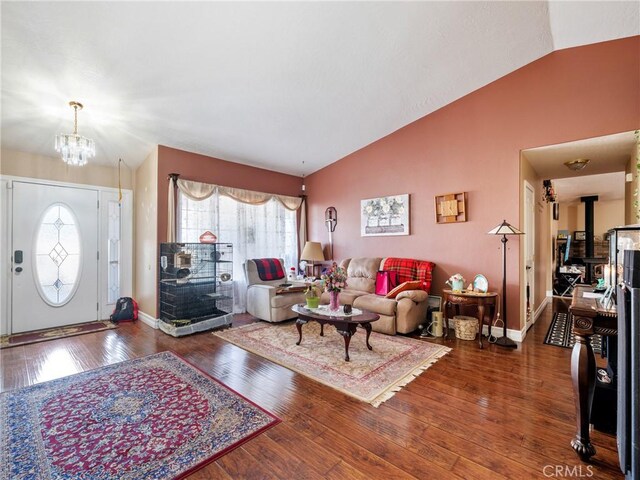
x=515 y=335
x=147 y=319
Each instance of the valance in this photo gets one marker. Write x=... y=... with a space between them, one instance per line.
x=199 y=191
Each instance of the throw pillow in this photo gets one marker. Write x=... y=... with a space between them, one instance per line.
x=415 y=285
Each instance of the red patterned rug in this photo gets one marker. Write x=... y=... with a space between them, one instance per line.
x=155 y=417
x=26 y=338
x=371 y=376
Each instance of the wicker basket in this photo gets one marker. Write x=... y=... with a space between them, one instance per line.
x=466 y=327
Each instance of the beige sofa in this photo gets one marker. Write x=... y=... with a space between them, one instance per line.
x=402 y=314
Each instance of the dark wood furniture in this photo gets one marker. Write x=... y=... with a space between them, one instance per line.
x=481 y=300
x=346 y=326
x=291 y=289
x=588 y=316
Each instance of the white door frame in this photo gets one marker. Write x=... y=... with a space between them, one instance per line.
x=105 y=194
x=530 y=239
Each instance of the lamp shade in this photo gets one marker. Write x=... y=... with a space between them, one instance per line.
x=505 y=229
x=312 y=251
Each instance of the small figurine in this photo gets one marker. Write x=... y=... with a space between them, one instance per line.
x=456 y=282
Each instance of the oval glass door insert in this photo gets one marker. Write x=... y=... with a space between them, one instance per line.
x=57 y=255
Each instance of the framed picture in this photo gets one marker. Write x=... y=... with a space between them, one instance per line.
x=384 y=216
x=556 y=211
x=579 y=235
x=434 y=302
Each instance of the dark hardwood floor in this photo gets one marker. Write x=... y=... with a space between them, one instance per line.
x=476 y=414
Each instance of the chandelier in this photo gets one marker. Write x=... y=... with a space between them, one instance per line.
x=75 y=149
x=577 y=164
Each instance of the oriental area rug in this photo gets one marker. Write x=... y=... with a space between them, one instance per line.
x=156 y=417
x=560 y=334
x=26 y=338
x=371 y=376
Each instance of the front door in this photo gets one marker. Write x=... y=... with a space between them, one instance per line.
x=54 y=256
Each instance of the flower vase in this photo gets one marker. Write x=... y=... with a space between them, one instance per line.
x=333 y=301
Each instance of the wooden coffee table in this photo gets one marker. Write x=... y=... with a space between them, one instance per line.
x=346 y=326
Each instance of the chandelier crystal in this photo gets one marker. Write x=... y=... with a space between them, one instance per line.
x=75 y=149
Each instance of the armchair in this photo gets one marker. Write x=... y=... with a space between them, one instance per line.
x=263 y=276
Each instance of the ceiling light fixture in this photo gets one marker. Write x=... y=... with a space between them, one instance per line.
x=75 y=149
x=577 y=164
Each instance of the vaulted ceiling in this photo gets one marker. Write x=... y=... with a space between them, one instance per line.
x=287 y=86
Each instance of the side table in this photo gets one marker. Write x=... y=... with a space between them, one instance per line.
x=480 y=300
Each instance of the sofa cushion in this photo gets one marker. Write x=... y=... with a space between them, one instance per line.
x=413 y=285
x=376 y=304
x=361 y=273
x=409 y=269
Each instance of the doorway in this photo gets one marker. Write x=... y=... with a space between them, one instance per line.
x=608 y=172
x=67 y=253
x=529 y=252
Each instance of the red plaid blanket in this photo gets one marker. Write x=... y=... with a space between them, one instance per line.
x=409 y=269
x=269 y=268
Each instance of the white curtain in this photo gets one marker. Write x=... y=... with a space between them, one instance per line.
x=266 y=229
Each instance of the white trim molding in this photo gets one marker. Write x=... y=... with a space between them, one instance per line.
x=148 y=319
x=515 y=335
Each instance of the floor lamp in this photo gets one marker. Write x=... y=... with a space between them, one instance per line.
x=505 y=229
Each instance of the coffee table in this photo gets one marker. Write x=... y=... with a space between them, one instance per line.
x=346 y=326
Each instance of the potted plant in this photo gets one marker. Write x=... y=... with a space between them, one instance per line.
x=312 y=295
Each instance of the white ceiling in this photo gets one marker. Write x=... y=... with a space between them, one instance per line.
x=262 y=83
x=608 y=186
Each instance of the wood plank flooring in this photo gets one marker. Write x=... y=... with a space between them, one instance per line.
x=476 y=414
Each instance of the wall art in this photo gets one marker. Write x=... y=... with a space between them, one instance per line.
x=385 y=216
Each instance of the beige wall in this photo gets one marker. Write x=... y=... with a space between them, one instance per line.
x=606 y=215
x=631 y=188
x=21 y=164
x=145 y=217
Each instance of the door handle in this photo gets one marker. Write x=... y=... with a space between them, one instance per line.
x=17 y=256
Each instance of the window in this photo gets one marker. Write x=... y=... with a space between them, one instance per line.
x=57 y=255
x=256 y=231
x=113 y=254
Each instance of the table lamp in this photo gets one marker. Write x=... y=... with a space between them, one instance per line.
x=504 y=229
x=312 y=252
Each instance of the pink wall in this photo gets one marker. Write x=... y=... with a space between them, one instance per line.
x=192 y=166
x=473 y=145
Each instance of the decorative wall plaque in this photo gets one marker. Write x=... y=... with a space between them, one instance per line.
x=451 y=208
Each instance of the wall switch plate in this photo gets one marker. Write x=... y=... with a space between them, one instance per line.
x=629 y=177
